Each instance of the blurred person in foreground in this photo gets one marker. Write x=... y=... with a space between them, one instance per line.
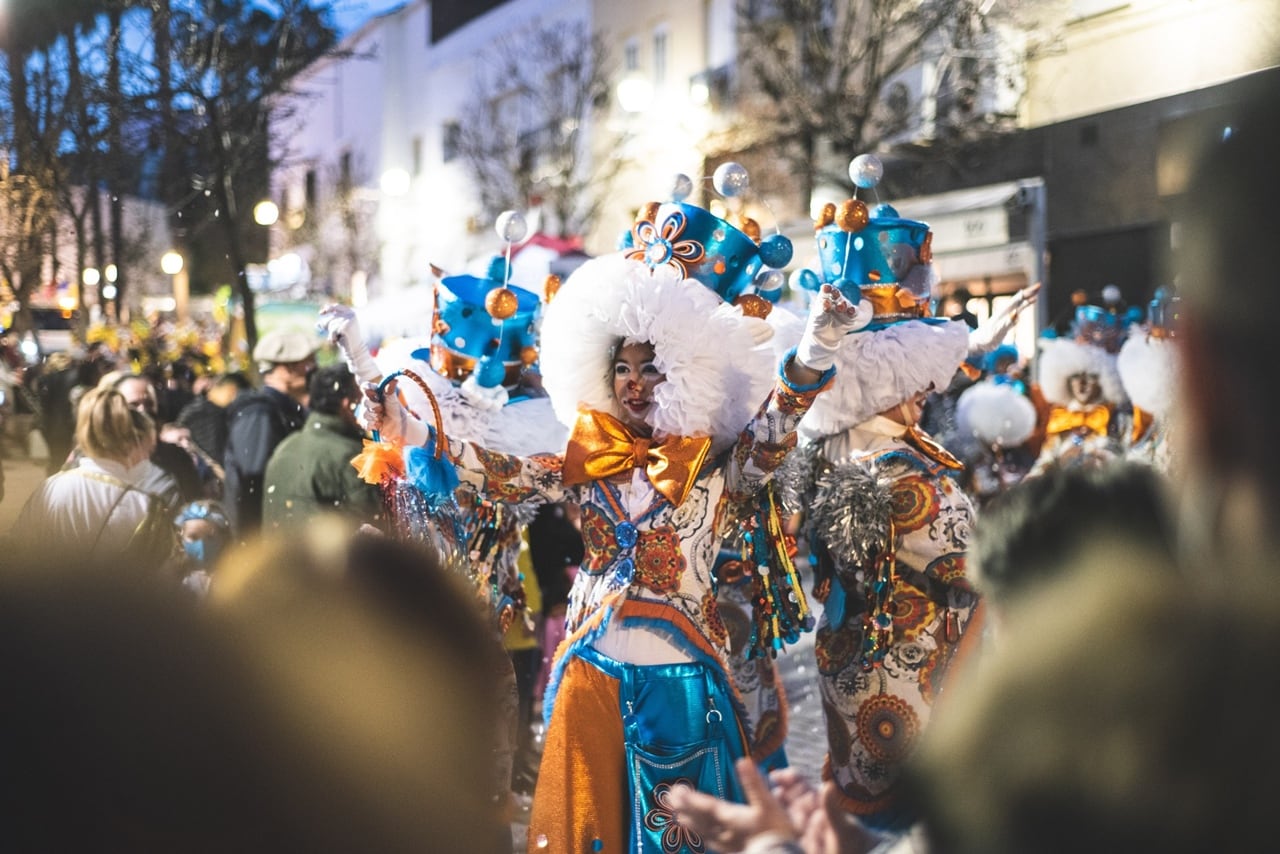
x=259 y=420
x=310 y=472
x=328 y=700
x=1141 y=718
x=102 y=508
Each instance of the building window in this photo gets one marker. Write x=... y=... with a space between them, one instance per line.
x=415 y=155
x=659 y=57
x=309 y=191
x=631 y=55
x=451 y=141
x=344 y=170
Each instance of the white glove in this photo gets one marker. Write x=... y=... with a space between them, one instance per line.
x=391 y=421
x=988 y=335
x=339 y=323
x=831 y=317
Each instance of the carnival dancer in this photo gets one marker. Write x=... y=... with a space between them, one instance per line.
x=1077 y=376
x=1148 y=367
x=479 y=360
x=660 y=377
x=888 y=524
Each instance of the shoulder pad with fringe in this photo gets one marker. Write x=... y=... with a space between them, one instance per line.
x=850 y=511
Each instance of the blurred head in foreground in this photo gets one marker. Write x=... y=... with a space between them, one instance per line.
x=333 y=698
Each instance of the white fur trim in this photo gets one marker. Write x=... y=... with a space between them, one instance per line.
x=717 y=375
x=524 y=427
x=878 y=370
x=995 y=414
x=1149 y=369
x=1061 y=358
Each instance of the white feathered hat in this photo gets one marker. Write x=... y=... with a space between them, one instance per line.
x=1061 y=358
x=718 y=363
x=995 y=413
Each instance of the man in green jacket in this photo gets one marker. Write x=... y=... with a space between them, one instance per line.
x=310 y=472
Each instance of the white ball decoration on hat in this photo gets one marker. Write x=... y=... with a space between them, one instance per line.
x=511 y=226
x=730 y=179
x=681 y=187
x=866 y=170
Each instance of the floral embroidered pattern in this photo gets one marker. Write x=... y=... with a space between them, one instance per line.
x=912 y=612
x=711 y=614
x=949 y=568
x=659 y=560
x=768 y=456
x=499 y=467
x=661 y=244
x=597 y=538
x=834 y=648
x=661 y=819
x=887 y=727
x=914 y=503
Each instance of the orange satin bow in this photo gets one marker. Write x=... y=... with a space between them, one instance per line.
x=1094 y=419
x=601 y=446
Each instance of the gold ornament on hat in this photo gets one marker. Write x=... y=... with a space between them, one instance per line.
x=754 y=305
x=551 y=287
x=501 y=303
x=648 y=212
x=825 y=217
x=852 y=215
x=751 y=228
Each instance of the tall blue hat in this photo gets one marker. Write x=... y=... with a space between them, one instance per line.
x=732 y=261
x=872 y=254
x=484 y=326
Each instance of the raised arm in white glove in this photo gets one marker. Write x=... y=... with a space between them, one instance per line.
x=988 y=335
x=831 y=317
x=391 y=421
x=339 y=323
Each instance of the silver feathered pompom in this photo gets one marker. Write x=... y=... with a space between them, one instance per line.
x=850 y=513
x=796 y=477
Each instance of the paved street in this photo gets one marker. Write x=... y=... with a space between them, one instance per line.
x=21 y=476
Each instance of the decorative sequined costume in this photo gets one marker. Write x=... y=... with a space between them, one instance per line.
x=888 y=525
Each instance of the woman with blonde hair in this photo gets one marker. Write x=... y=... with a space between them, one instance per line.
x=101 y=509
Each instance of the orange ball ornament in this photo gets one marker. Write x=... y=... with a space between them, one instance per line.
x=826 y=216
x=754 y=305
x=528 y=355
x=648 y=212
x=751 y=228
x=551 y=286
x=501 y=303
x=852 y=215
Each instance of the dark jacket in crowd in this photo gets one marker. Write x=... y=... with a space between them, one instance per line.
x=311 y=473
x=257 y=422
x=207 y=422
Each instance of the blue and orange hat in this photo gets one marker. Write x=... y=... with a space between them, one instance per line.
x=735 y=262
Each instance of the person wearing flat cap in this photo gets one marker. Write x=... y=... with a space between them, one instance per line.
x=259 y=420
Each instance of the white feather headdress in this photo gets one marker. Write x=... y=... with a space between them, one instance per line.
x=718 y=364
x=878 y=369
x=1149 y=369
x=1061 y=358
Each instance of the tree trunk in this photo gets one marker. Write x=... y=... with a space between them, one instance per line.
x=115 y=176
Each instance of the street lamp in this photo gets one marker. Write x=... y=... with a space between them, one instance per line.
x=90 y=276
x=171 y=263
x=635 y=93
x=395 y=182
x=265 y=212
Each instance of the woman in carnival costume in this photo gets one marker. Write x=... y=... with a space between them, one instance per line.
x=479 y=362
x=1077 y=376
x=667 y=387
x=1148 y=367
x=887 y=521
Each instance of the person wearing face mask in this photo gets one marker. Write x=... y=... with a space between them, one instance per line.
x=204 y=532
x=101 y=510
x=887 y=521
x=678 y=414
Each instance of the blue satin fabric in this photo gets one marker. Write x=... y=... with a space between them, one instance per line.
x=679 y=726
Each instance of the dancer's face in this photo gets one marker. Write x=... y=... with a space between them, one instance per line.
x=1084 y=388
x=635 y=376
